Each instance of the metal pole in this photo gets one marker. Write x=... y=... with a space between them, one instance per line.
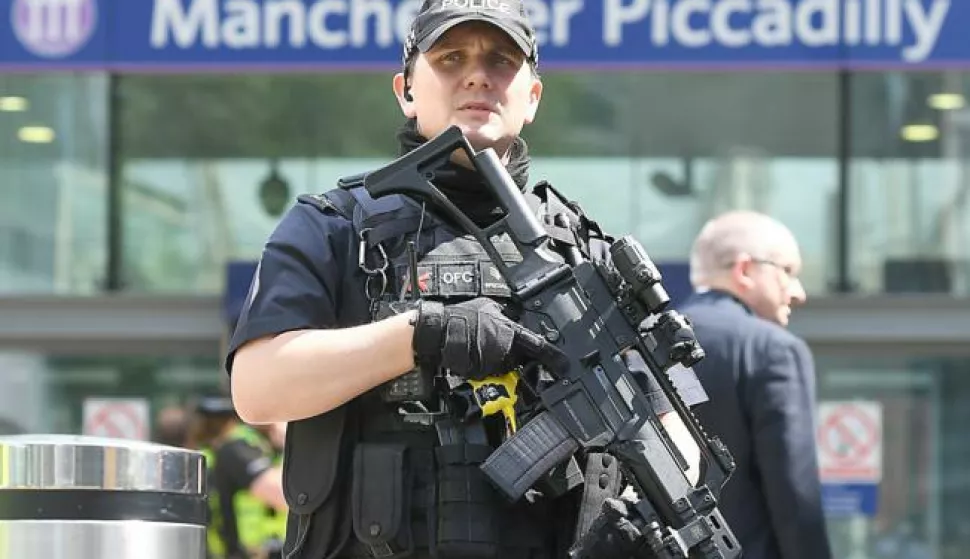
x=843 y=281
x=115 y=227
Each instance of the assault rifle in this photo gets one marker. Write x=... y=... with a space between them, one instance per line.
x=593 y=314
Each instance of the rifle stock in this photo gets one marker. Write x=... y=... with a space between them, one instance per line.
x=593 y=314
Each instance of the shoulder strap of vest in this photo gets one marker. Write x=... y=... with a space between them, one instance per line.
x=351 y=181
x=580 y=227
x=340 y=199
x=539 y=206
x=384 y=218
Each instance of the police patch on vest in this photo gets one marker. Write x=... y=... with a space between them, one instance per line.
x=457 y=280
x=493 y=284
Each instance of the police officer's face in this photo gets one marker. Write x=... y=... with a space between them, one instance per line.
x=474 y=77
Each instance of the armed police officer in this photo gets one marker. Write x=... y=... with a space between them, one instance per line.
x=383 y=394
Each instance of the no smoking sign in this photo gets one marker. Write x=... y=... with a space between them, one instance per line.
x=849 y=438
x=116 y=418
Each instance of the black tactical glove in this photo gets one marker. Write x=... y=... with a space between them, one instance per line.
x=613 y=536
x=475 y=340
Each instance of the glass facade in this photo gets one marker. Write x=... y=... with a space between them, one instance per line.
x=649 y=153
x=53 y=183
x=151 y=184
x=660 y=146
x=921 y=499
x=43 y=392
x=191 y=185
x=908 y=182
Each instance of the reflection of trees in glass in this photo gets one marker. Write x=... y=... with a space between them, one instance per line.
x=579 y=115
x=333 y=115
x=179 y=242
x=261 y=115
x=154 y=255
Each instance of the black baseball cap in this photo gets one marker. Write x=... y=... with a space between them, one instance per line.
x=438 y=16
x=215 y=405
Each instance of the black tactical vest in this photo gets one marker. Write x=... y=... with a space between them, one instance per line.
x=387 y=475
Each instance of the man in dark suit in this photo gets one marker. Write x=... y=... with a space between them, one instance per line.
x=761 y=381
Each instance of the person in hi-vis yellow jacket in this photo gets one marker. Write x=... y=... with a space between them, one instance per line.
x=247 y=508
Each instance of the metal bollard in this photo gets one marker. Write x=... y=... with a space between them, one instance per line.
x=72 y=497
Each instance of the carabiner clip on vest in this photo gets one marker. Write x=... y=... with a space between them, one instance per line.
x=379 y=271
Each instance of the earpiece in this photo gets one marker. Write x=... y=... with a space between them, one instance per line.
x=407 y=96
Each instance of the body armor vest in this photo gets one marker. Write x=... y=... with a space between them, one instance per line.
x=391 y=474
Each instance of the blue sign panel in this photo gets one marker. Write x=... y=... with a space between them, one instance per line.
x=239 y=277
x=676 y=281
x=850 y=499
x=334 y=34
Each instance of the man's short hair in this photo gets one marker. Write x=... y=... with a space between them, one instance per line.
x=726 y=236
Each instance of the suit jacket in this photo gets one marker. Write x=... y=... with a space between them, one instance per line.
x=761 y=382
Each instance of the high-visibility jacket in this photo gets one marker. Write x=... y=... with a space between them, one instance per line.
x=256 y=523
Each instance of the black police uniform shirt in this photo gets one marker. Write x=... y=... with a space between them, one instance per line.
x=307 y=279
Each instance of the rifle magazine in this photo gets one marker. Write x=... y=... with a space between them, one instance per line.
x=537 y=447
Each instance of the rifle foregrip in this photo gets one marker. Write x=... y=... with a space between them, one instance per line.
x=529 y=454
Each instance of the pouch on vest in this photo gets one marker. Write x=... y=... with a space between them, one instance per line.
x=380 y=503
x=468 y=505
x=310 y=459
x=311 y=463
